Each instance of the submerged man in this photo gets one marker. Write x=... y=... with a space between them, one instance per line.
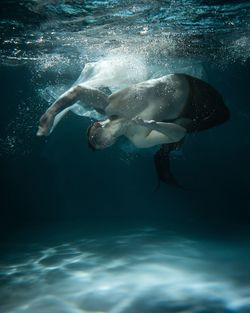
x=155 y=112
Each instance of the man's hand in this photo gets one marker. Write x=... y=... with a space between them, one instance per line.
x=139 y=121
x=45 y=124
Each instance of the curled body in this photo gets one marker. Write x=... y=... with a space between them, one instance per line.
x=157 y=111
x=154 y=112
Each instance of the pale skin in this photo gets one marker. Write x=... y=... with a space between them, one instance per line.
x=136 y=112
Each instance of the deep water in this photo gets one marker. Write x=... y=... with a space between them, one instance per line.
x=85 y=231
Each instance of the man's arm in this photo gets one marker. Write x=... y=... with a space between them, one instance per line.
x=89 y=96
x=160 y=133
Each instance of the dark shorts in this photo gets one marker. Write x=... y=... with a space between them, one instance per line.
x=205 y=106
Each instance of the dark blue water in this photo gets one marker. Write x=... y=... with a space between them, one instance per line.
x=86 y=231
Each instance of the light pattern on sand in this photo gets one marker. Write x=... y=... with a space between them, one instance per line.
x=138 y=272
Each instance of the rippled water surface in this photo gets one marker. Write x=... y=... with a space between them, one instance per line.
x=32 y=30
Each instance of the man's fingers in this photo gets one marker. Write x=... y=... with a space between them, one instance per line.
x=45 y=125
x=40 y=132
x=151 y=122
x=138 y=120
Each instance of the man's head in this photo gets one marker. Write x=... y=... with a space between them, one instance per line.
x=100 y=136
